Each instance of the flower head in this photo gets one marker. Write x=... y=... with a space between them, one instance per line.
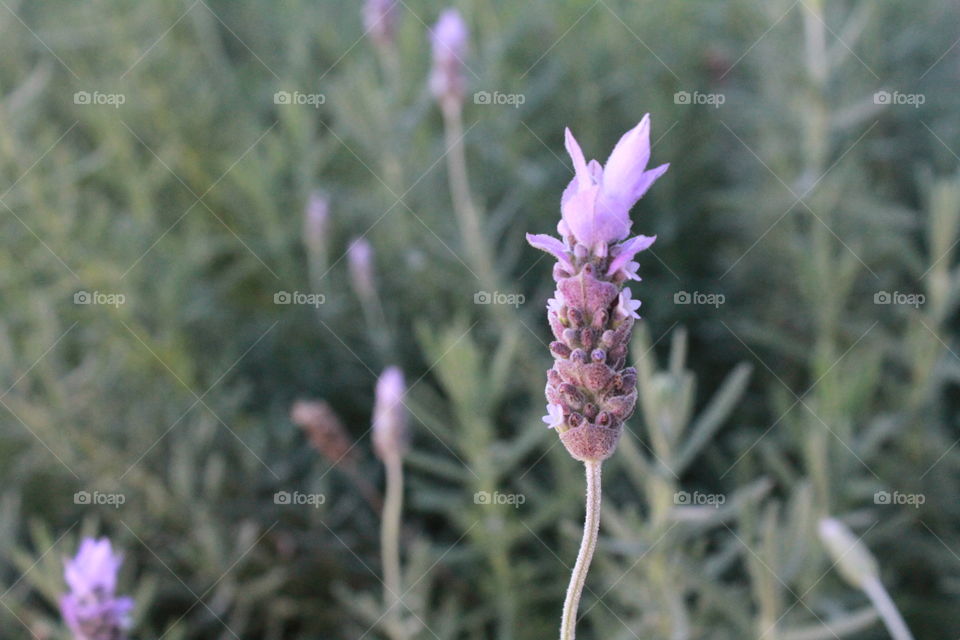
x=590 y=390
x=91 y=610
x=360 y=261
x=390 y=434
x=380 y=20
x=449 y=37
x=324 y=430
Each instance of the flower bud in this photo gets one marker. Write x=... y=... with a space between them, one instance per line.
x=316 y=221
x=360 y=260
x=853 y=560
x=324 y=430
x=449 y=37
x=390 y=433
x=380 y=21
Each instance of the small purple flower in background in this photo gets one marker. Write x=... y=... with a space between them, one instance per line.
x=316 y=221
x=360 y=261
x=589 y=391
x=91 y=610
x=325 y=430
x=380 y=21
x=450 y=37
x=390 y=433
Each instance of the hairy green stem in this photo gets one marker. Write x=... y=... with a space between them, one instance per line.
x=591 y=527
x=390 y=543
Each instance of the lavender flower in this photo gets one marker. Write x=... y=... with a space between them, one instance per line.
x=590 y=392
x=324 y=429
x=360 y=261
x=450 y=38
x=91 y=610
x=380 y=21
x=316 y=221
x=390 y=435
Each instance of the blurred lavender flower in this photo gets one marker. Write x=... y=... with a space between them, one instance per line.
x=390 y=434
x=91 y=610
x=589 y=392
x=324 y=429
x=360 y=260
x=450 y=37
x=380 y=21
x=316 y=221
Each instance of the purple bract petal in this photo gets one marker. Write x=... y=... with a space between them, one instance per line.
x=91 y=607
x=624 y=253
x=596 y=203
x=552 y=246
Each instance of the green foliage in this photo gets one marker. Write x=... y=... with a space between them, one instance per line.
x=801 y=396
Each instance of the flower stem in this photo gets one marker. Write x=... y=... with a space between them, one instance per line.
x=468 y=217
x=390 y=541
x=591 y=526
x=887 y=609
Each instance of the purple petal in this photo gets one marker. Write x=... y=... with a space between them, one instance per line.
x=579 y=214
x=629 y=158
x=596 y=171
x=554 y=417
x=570 y=191
x=627 y=306
x=645 y=182
x=552 y=246
x=625 y=178
x=579 y=162
x=626 y=251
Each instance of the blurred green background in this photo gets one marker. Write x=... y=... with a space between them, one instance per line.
x=798 y=356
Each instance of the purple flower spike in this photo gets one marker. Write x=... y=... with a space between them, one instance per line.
x=380 y=20
x=450 y=37
x=391 y=436
x=360 y=262
x=91 y=610
x=590 y=391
